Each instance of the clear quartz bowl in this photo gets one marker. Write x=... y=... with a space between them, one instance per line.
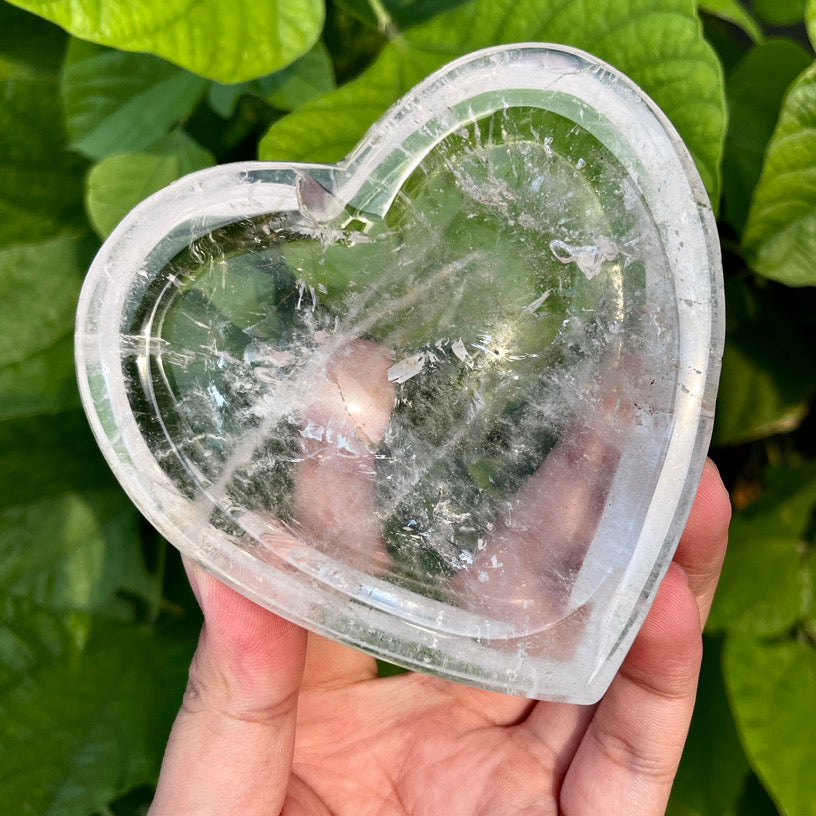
x=446 y=401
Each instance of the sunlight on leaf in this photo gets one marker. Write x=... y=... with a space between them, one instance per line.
x=780 y=235
x=73 y=551
x=328 y=128
x=403 y=13
x=228 y=44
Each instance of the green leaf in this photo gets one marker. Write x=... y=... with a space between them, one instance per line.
x=788 y=502
x=43 y=383
x=765 y=388
x=770 y=687
x=808 y=581
x=658 y=43
x=287 y=89
x=118 y=102
x=712 y=742
x=48 y=455
x=39 y=285
x=119 y=183
x=73 y=551
x=40 y=183
x=780 y=12
x=243 y=41
x=733 y=12
x=810 y=21
x=76 y=733
x=761 y=585
x=759 y=589
x=780 y=235
x=32 y=635
x=755 y=89
x=328 y=128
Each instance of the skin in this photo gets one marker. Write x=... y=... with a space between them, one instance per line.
x=276 y=720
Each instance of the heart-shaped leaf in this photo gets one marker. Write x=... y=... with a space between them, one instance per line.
x=780 y=235
x=74 y=551
x=740 y=606
x=765 y=539
x=43 y=383
x=247 y=40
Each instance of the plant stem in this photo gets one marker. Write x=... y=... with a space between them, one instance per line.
x=385 y=22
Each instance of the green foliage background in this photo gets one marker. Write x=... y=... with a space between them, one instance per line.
x=98 y=110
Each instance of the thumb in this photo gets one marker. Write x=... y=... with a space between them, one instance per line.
x=230 y=749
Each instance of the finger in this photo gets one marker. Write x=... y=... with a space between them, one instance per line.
x=530 y=563
x=702 y=546
x=230 y=749
x=334 y=484
x=628 y=756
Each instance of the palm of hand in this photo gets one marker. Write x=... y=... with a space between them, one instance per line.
x=413 y=744
x=418 y=745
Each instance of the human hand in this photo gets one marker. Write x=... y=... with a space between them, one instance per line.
x=278 y=721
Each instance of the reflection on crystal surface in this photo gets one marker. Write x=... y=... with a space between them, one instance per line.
x=445 y=401
x=402 y=394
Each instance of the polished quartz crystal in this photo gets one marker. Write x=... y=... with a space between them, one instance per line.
x=446 y=401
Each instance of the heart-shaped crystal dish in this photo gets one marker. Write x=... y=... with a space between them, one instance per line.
x=446 y=401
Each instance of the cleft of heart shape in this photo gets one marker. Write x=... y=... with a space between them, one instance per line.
x=446 y=401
